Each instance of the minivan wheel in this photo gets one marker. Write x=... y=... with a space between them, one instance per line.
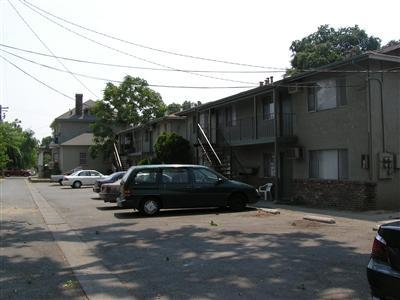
x=76 y=184
x=150 y=207
x=237 y=202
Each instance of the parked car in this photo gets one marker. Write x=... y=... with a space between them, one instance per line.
x=110 y=191
x=17 y=172
x=109 y=179
x=383 y=270
x=59 y=178
x=152 y=187
x=82 y=177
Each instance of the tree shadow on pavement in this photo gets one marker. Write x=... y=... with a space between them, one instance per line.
x=216 y=262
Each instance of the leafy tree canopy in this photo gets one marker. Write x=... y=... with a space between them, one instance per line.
x=18 y=148
x=328 y=45
x=128 y=104
x=46 y=141
x=172 y=148
x=173 y=108
x=391 y=43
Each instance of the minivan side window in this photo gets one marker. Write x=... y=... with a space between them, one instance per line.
x=175 y=175
x=204 y=176
x=148 y=176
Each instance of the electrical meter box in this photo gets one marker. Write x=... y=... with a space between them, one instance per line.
x=386 y=165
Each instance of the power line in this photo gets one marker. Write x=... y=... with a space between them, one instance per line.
x=119 y=81
x=44 y=44
x=137 y=67
x=38 y=80
x=129 y=54
x=27 y=3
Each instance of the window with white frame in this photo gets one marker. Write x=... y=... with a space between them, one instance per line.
x=268 y=108
x=326 y=94
x=329 y=164
x=269 y=165
x=82 y=158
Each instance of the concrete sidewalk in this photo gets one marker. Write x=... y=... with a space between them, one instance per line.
x=375 y=217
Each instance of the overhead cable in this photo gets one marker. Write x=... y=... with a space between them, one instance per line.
x=38 y=80
x=129 y=54
x=143 y=46
x=48 y=49
x=137 y=67
x=119 y=81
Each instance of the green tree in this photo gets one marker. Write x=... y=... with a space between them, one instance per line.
x=18 y=148
x=173 y=108
x=172 y=148
x=45 y=143
x=391 y=43
x=188 y=104
x=328 y=45
x=128 y=104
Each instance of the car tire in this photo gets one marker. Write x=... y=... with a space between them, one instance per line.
x=237 y=202
x=76 y=184
x=60 y=182
x=149 y=206
x=7 y=174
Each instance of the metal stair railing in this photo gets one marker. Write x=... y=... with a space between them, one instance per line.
x=204 y=150
x=209 y=144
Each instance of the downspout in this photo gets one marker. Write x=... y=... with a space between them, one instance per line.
x=255 y=121
x=382 y=110
x=369 y=125
x=276 y=148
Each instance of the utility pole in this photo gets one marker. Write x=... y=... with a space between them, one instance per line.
x=2 y=113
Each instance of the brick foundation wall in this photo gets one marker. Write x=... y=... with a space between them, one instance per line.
x=348 y=195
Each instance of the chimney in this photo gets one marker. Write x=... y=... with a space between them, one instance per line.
x=271 y=79
x=267 y=81
x=261 y=83
x=78 y=104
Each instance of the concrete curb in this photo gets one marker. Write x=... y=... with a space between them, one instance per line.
x=272 y=211
x=319 y=219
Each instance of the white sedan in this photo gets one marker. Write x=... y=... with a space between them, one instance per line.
x=82 y=177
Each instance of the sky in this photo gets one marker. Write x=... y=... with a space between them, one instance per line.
x=236 y=44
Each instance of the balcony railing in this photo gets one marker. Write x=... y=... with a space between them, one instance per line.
x=247 y=130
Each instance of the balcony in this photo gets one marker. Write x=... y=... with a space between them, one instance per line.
x=247 y=131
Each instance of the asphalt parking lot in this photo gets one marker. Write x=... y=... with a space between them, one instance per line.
x=194 y=254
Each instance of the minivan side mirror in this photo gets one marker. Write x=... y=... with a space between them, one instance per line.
x=220 y=180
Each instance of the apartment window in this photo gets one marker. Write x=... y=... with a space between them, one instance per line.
x=329 y=164
x=269 y=165
x=230 y=114
x=327 y=94
x=268 y=108
x=82 y=158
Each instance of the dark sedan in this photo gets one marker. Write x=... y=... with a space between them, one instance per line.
x=152 y=187
x=383 y=270
x=109 y=179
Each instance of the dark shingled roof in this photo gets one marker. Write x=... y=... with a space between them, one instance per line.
x=70 y=115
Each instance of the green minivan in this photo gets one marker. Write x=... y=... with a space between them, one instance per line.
x=149 y=188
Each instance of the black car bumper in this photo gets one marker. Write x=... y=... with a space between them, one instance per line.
x=127 y=203
x=383 y=280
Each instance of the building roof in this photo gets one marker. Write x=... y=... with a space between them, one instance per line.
x=85 y=139
x=71 y=114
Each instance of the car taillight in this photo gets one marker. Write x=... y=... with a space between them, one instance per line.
x=379 y=249
x=126 y=192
